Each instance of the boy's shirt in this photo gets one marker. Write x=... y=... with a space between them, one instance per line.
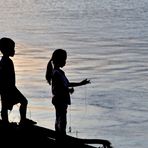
x=7 y=73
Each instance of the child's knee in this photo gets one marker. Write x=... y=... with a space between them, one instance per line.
x=24 y=102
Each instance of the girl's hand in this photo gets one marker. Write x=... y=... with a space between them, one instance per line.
x=84 y=82
x=71 y=90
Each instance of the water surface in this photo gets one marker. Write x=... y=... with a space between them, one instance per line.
x=106 y=41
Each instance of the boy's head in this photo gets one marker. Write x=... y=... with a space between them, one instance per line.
x=7 y=46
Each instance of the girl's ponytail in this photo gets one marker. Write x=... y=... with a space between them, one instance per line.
x=49 y=72
x=57 y=56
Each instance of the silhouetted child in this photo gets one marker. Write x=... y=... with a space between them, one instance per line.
x=61 y=88
x=10 y=95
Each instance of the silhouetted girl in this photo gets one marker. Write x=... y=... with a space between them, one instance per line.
x=61 y=88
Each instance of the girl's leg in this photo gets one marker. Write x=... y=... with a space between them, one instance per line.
x=61 y=119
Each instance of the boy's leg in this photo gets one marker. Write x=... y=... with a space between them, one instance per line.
x=23 y=108
x=20 y=98
x=4 y=112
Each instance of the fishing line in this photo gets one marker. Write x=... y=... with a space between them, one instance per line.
x=85 y=99
x=70 y=129
x=85 y=112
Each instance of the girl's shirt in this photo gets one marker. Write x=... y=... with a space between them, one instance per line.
x=60 y=88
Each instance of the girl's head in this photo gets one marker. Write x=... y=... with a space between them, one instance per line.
x=59 y=57
x=7 y=46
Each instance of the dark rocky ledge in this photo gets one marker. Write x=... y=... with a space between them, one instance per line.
x=14 y=135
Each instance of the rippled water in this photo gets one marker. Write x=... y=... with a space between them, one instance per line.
x=106 y=41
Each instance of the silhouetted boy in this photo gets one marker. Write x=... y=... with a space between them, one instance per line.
x=10 y=95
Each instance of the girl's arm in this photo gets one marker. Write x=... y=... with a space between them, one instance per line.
x=75 y=84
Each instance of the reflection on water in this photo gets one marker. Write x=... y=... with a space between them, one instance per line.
x=106 y=42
